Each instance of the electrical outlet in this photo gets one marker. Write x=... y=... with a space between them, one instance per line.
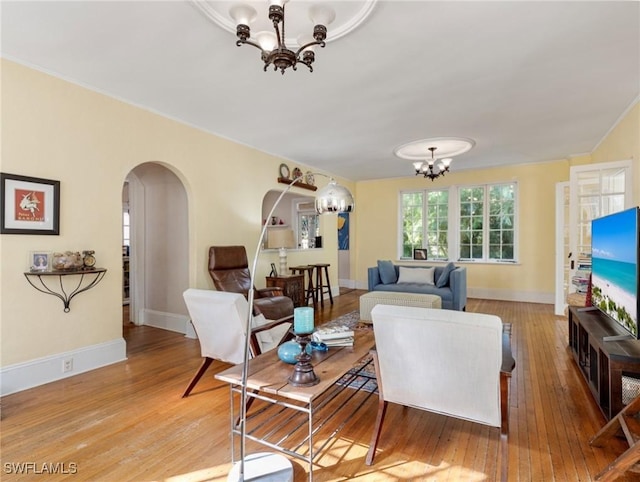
x=67 y=365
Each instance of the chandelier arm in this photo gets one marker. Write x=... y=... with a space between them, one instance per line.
x=249 y=42
x=321 y=43
x=278 y=36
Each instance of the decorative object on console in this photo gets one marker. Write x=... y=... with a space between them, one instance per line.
x=276 y=48
x=67 y=261
x=39 y=261
x=330 y=199
x=420 y=254
x=281 y=239
x=88 y=258
x=425 y=164
x=29 y=205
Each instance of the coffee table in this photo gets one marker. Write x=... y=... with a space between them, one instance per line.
x=286 y=418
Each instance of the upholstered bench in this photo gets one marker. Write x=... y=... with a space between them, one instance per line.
x=373 y=298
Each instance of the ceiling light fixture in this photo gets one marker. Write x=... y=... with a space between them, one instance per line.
x=273 y=46
x=427 y=168
x=428 y=165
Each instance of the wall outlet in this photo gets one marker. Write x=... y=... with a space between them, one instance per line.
x=67 y=365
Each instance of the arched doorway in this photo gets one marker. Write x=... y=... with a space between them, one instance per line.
x=158 y=247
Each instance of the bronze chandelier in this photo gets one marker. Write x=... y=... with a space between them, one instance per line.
x=273 y=48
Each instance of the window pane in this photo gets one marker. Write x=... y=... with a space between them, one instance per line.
x=437 y=225
x=412 y=222
x=501 y=222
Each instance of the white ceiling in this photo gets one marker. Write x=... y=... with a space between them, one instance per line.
x=527 y=81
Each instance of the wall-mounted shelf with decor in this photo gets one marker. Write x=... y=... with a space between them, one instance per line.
x=93 y=277
x=284 y=180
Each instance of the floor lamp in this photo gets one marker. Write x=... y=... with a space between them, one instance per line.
x=267 y=467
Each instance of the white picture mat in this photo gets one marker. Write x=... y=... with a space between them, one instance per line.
x=11 y=185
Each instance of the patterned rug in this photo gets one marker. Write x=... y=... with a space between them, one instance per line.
x=362 y=376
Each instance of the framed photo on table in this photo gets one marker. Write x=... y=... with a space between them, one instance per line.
x=40 y=261
x=29 y=205
x=420 y=254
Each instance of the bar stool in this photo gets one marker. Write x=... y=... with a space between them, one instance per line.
x=321 y=288
x=310 y=291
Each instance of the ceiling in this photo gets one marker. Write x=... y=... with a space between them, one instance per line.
x=527 y=81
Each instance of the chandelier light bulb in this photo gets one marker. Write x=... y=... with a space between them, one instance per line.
x=267 y=40
x=417 y=166
x=279 y=3
x=243 y=14
x=321 y=14
x=446 y=162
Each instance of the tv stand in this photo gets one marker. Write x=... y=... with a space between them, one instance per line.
x=608 y=358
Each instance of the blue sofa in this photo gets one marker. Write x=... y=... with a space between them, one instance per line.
x=453 y=294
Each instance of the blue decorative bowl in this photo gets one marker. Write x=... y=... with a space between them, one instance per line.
x=289 y=350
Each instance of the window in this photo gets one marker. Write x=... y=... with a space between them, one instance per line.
x=482 y=220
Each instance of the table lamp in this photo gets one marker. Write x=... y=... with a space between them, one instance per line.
x=281 y=238
x=332 y=198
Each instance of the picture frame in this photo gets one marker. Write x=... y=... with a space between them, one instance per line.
x=29 y=205
x=420 y=254
x=40 y=261
x=274 y=271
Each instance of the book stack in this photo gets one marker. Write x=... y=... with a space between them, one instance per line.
x=334 y=336
x=581 y=277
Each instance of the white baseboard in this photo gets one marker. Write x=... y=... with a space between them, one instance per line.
x=167 y=321
x=21 y=376
x=510 y=295
x=347 y=283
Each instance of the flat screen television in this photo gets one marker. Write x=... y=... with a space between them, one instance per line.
x=614 y=264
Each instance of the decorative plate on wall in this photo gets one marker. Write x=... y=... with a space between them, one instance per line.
x=309 y=179
x=284 y=170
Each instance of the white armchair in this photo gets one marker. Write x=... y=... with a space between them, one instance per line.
x=219 y=319
x=450 y=362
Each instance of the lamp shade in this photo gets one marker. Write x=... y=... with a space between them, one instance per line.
x=334 y=199
x=281 y=238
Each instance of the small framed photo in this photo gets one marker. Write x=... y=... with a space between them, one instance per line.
x=274 y=271
x=420 y=254
x=39 y=261
x=29 y=205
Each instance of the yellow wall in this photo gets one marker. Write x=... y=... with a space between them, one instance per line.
x=53 y=129
x=622 y=143
x=532 y=279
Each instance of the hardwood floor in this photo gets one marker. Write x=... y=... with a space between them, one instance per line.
x=127 y=422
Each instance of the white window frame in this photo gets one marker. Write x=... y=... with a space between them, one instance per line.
x=453 y=234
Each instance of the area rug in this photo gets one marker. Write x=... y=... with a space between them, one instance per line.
x=362 y=376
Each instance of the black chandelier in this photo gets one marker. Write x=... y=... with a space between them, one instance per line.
x=273 y=48
x=427 y=168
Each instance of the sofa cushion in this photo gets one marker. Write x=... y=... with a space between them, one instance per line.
x=387 y=271
x=416 y=275
x=443 y=279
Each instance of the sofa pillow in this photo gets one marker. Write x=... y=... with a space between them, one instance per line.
x=443 y=280
x=416 y=275
x=387 y=272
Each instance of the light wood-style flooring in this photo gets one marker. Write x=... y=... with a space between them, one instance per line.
x=127 y=421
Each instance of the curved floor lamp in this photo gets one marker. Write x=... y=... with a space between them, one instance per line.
x=332 y=198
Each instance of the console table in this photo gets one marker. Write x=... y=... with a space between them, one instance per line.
x=286 y=418
x=610 y=368
x=88 y=278
x=292 y=286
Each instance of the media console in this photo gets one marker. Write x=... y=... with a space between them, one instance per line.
x=611 y=368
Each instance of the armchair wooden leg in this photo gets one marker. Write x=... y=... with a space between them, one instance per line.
x=504 y=428
x=382 y=409
x=203 y=368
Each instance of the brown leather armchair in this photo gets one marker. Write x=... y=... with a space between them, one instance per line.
x=229 y=269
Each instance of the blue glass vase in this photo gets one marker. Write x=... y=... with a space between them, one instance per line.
x=289 y=350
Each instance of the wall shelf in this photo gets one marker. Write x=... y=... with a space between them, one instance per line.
x=284 y=180
x=88 y=279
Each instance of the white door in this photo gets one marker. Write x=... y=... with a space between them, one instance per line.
x=595 y=190
x=563 y=248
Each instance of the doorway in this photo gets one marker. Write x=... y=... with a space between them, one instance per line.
x=157 y=249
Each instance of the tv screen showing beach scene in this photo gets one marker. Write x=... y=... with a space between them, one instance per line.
x=614 y=257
